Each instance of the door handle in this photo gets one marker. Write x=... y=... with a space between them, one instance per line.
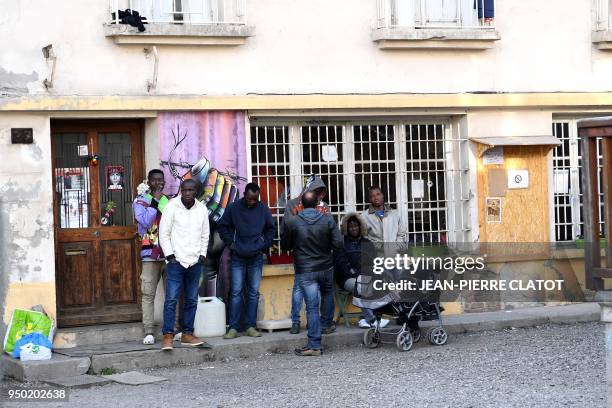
x=75 y=252
x=96 y=233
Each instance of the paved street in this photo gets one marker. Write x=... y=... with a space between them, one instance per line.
x=551 y=366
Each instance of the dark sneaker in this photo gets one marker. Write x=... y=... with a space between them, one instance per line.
x=329 y=330
x=252 y=332
x=305 y=351
x=166 y=343
x=295 y=328
x=188 y=339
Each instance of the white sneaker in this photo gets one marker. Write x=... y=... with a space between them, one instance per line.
x=384 y=323
x=363 y=323
x=177 y=336
x=148 y=339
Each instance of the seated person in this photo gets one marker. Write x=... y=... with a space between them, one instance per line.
x=347 y=262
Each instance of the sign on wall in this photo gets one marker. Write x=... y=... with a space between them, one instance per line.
x=518 y=179
x=493 y=155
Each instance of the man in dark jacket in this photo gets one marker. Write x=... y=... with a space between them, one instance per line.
x=247 y=228
x=293 y=208
x=348 y=261
x=312 y=236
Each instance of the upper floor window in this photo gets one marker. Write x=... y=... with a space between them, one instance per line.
x=602 y=14
x=471 y=14
x=184 y=11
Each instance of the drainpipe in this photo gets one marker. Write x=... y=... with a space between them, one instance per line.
x=152 y=84
x=49 y=55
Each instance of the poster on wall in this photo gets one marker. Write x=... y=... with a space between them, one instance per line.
x=115 y=177
x=493 y=208
x=493 y=155
x=209 y=147
x=74 y=210
x=71 y=178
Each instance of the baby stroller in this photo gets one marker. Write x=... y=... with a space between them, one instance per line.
x=409 y=308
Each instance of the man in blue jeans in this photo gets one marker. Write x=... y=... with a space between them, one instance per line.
x=183 y=236
x=247 y=228
x=293 y=208
x=313 y=236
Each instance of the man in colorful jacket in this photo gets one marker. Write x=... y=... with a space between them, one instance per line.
x=148 y=208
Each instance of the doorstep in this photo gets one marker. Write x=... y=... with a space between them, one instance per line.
x=100 y=334
x=277 y=342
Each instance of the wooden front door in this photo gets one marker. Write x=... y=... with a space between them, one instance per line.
x=97 y=256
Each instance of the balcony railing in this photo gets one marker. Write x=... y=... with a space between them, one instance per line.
x=184 y=11
x=436 y=14
x=603 y=20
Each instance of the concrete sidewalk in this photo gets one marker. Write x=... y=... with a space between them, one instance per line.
x=281 y=342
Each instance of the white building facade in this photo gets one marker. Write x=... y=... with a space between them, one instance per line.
x=397 y=93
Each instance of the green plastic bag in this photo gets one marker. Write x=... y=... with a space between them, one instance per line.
x=24 y=322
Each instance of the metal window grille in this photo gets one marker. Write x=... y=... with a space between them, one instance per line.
x=322 y=153
x=184 y=11
x=567 y=173
x=375 y=158
x=445 y=14
x=422 y=169
x=270 y=169
x=437 y=184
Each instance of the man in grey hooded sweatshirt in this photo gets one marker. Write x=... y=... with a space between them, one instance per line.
x=293 y=208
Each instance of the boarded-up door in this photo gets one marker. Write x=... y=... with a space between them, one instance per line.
x=96 y=166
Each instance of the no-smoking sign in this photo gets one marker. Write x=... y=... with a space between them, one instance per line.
x=518 y=179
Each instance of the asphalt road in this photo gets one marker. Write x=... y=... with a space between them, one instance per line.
x=551 y=366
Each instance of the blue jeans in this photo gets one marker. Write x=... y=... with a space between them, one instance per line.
x=177 y=278
x=244 y=270
x=297 y=298
x=317 y=288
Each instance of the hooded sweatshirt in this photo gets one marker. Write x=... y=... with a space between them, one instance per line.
x=312 y=236
x=248 y=231
x=348 y=260
x=294 y=206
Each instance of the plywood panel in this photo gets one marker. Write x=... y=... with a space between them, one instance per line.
x=524 y=211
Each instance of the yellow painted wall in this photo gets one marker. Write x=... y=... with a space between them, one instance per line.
x=560 y=100
x=26 y=295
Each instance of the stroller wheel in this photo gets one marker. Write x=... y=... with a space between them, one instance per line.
x=404 y=341
x=416 y=335
x=437 y=336
x=371 y=338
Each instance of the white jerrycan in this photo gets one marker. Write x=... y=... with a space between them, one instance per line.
x=209 y=318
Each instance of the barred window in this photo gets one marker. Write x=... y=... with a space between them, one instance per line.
x=322 y=153
x=567 y=174
x=426 y=183
x=422 y=169
x=270 y=169
x=375 y=162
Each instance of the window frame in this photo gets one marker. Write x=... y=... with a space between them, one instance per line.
x=575 y=192
x=457 y=177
